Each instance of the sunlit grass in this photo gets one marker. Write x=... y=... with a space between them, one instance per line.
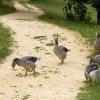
x=5 y=42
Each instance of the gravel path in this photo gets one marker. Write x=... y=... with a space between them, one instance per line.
x=54 y=82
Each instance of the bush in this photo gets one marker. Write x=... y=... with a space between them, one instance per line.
x=7 y=7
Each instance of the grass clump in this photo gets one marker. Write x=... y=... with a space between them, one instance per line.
x=40 y=38
x=25 y=97
x=56 y=35
x=5 y=42
x=19 y=75
x=4 y=9
x=50 y=44
x=89 y=92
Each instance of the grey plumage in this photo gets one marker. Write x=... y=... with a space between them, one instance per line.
x=64 y=49
x=60 y=51
x=97 y=41
x=27 y=62
x=94 y=76
x=96 y=59
x=92 y=72
x=89 y=68
x=30 y=58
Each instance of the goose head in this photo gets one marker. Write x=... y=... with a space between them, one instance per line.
x=97 y=35
x=56 y=41
x=15 y=61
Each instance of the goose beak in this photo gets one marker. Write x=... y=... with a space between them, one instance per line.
x=13 y=65
x=56 y=40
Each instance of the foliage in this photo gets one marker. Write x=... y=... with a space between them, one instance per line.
x=6 y=10
x=95 y=3
x=75 y=9
x=7 y=7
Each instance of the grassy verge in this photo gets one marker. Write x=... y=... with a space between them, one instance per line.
x=5 y=33
x=54 y=14
x=5 y=42
x=6 y=9
x=89 y=92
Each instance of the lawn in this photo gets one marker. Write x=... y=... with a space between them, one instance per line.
x=54 y=14
x=5 y=42
x=89 y=92
x=5 y=34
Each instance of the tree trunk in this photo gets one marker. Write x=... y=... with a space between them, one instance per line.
x=98 y=16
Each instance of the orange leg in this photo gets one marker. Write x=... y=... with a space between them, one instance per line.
x=34 y=72
x=62 y=62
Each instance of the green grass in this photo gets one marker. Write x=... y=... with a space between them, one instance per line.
x=4 y=9
x=5 y=33
x=54 y=14
x=5 y=42
x=89 y=92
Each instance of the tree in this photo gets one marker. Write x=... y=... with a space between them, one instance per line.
x=96 y=5
x=1 y=2
x=76 y=9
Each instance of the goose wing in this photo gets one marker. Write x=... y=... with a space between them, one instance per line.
x=64 y=48
x=30 y=58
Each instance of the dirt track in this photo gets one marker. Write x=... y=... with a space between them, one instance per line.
x=54 y=82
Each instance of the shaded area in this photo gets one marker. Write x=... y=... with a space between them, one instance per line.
x=24 y=12
x=6 y=7
x=6 y=10
x=53 y=9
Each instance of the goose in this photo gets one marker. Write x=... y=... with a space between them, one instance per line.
x=89 y=68
x=96 y=59
x=97 y=42
x=60 y=51
x=31 y=58
x=94 y=76
x=27 y=62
